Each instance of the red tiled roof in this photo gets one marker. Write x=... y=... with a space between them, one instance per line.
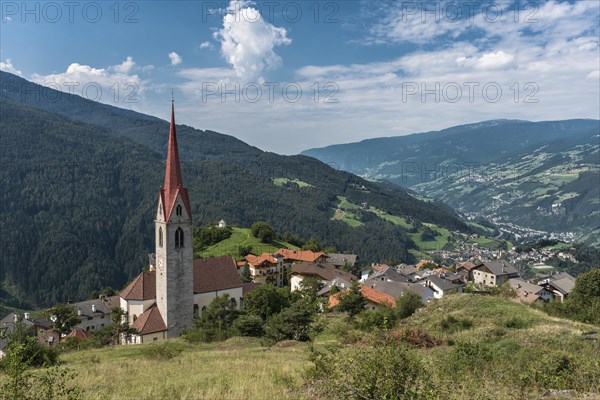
x=264 y=257
x=380 y=267
x=372 y=295
x=143 y=287
x=173 y=185
x=150 y=321
x=79 y=333
x=467 y=265
x=215 y=273
x=300 y=255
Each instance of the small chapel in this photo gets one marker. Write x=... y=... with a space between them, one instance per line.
x=161 y=303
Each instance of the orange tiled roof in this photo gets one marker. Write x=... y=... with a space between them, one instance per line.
x=300 y=255
x=150 y=321
x=257 y=260
x=143 y=287
x=372 y=295
x=380 y=267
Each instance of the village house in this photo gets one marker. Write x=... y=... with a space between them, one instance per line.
x=43 y=330
x=494 y=273
x=266 y=268
x=96 y=313
x=340 y=260
x=529 y=293
x=465 y=269
x=387 y=274
x=561 y=288
x=324 y=272
x=398 y=289
x=441 y=286
x=374 y=298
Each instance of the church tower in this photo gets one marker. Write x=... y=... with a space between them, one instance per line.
x=174 y=255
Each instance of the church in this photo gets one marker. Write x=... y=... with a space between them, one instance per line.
x=161 y=303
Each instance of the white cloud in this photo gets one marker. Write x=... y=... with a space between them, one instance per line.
x=247 y=41
x=125 y=67
x=206 y=45
x=175 y=58
x=7 y=66
x=116 y=85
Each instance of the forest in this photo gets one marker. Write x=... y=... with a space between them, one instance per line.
x=78 y=199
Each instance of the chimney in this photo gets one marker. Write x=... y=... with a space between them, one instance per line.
x=27 y=315
x=79 y=312
x=93 y=308
x=16 y=318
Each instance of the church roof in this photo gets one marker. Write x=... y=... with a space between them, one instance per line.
x=143 y=287
x=173 y=185
x=215 y=273
x=150 y=321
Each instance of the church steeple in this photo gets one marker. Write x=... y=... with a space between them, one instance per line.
x=173 y=184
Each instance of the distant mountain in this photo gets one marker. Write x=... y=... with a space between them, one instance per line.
x=80 y=181
x=539 y=175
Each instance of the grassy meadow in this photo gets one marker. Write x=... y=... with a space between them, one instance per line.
x=467 y=347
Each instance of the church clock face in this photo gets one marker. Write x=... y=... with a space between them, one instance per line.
x=161 y=264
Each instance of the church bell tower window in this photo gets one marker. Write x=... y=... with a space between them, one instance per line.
x=178 y=210
x=179 y=238
x=160 y=237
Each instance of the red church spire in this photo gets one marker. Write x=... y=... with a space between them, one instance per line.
x=173 y=184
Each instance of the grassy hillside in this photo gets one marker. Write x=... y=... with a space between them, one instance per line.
x=489 y=348
x=242 y=237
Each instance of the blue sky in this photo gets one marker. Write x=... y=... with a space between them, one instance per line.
x=326 y=72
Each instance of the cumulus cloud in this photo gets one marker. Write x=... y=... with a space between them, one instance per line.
x=175 y=58
x=125 y=67
x=248 y=41
x=117 y=85
x=205 y=45
x=7 y=66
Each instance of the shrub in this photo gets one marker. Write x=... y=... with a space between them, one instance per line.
x=291 y=323
x=380 y=319
x=408 y=304
x=453 y=324
x=384 y=371
x=248 y=325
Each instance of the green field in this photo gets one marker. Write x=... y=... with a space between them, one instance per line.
x=243 y=237
x=500 y=350
x=284 y=181
x=438 y=244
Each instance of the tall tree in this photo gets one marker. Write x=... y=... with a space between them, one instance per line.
x=352 y=301
x=64 y=317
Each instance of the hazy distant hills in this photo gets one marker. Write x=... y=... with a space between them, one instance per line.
x=80 y=179
x=541 y=175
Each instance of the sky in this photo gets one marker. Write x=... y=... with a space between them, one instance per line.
x=286 y=76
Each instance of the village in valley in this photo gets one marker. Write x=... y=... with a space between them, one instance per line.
x=162 y=301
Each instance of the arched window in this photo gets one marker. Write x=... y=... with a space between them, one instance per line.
x=178 y=210
x=179 y=238
x=160 y=238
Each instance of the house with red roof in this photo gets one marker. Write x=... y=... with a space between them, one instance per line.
x=266 y=268
x=374 y=298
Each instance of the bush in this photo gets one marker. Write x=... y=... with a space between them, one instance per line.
x=453 y=324
x=263 y=231
x=292 y=323
x=248 y=325
x=408 y=304
x=380 y=319
x=215 y=322
x=384 y=371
